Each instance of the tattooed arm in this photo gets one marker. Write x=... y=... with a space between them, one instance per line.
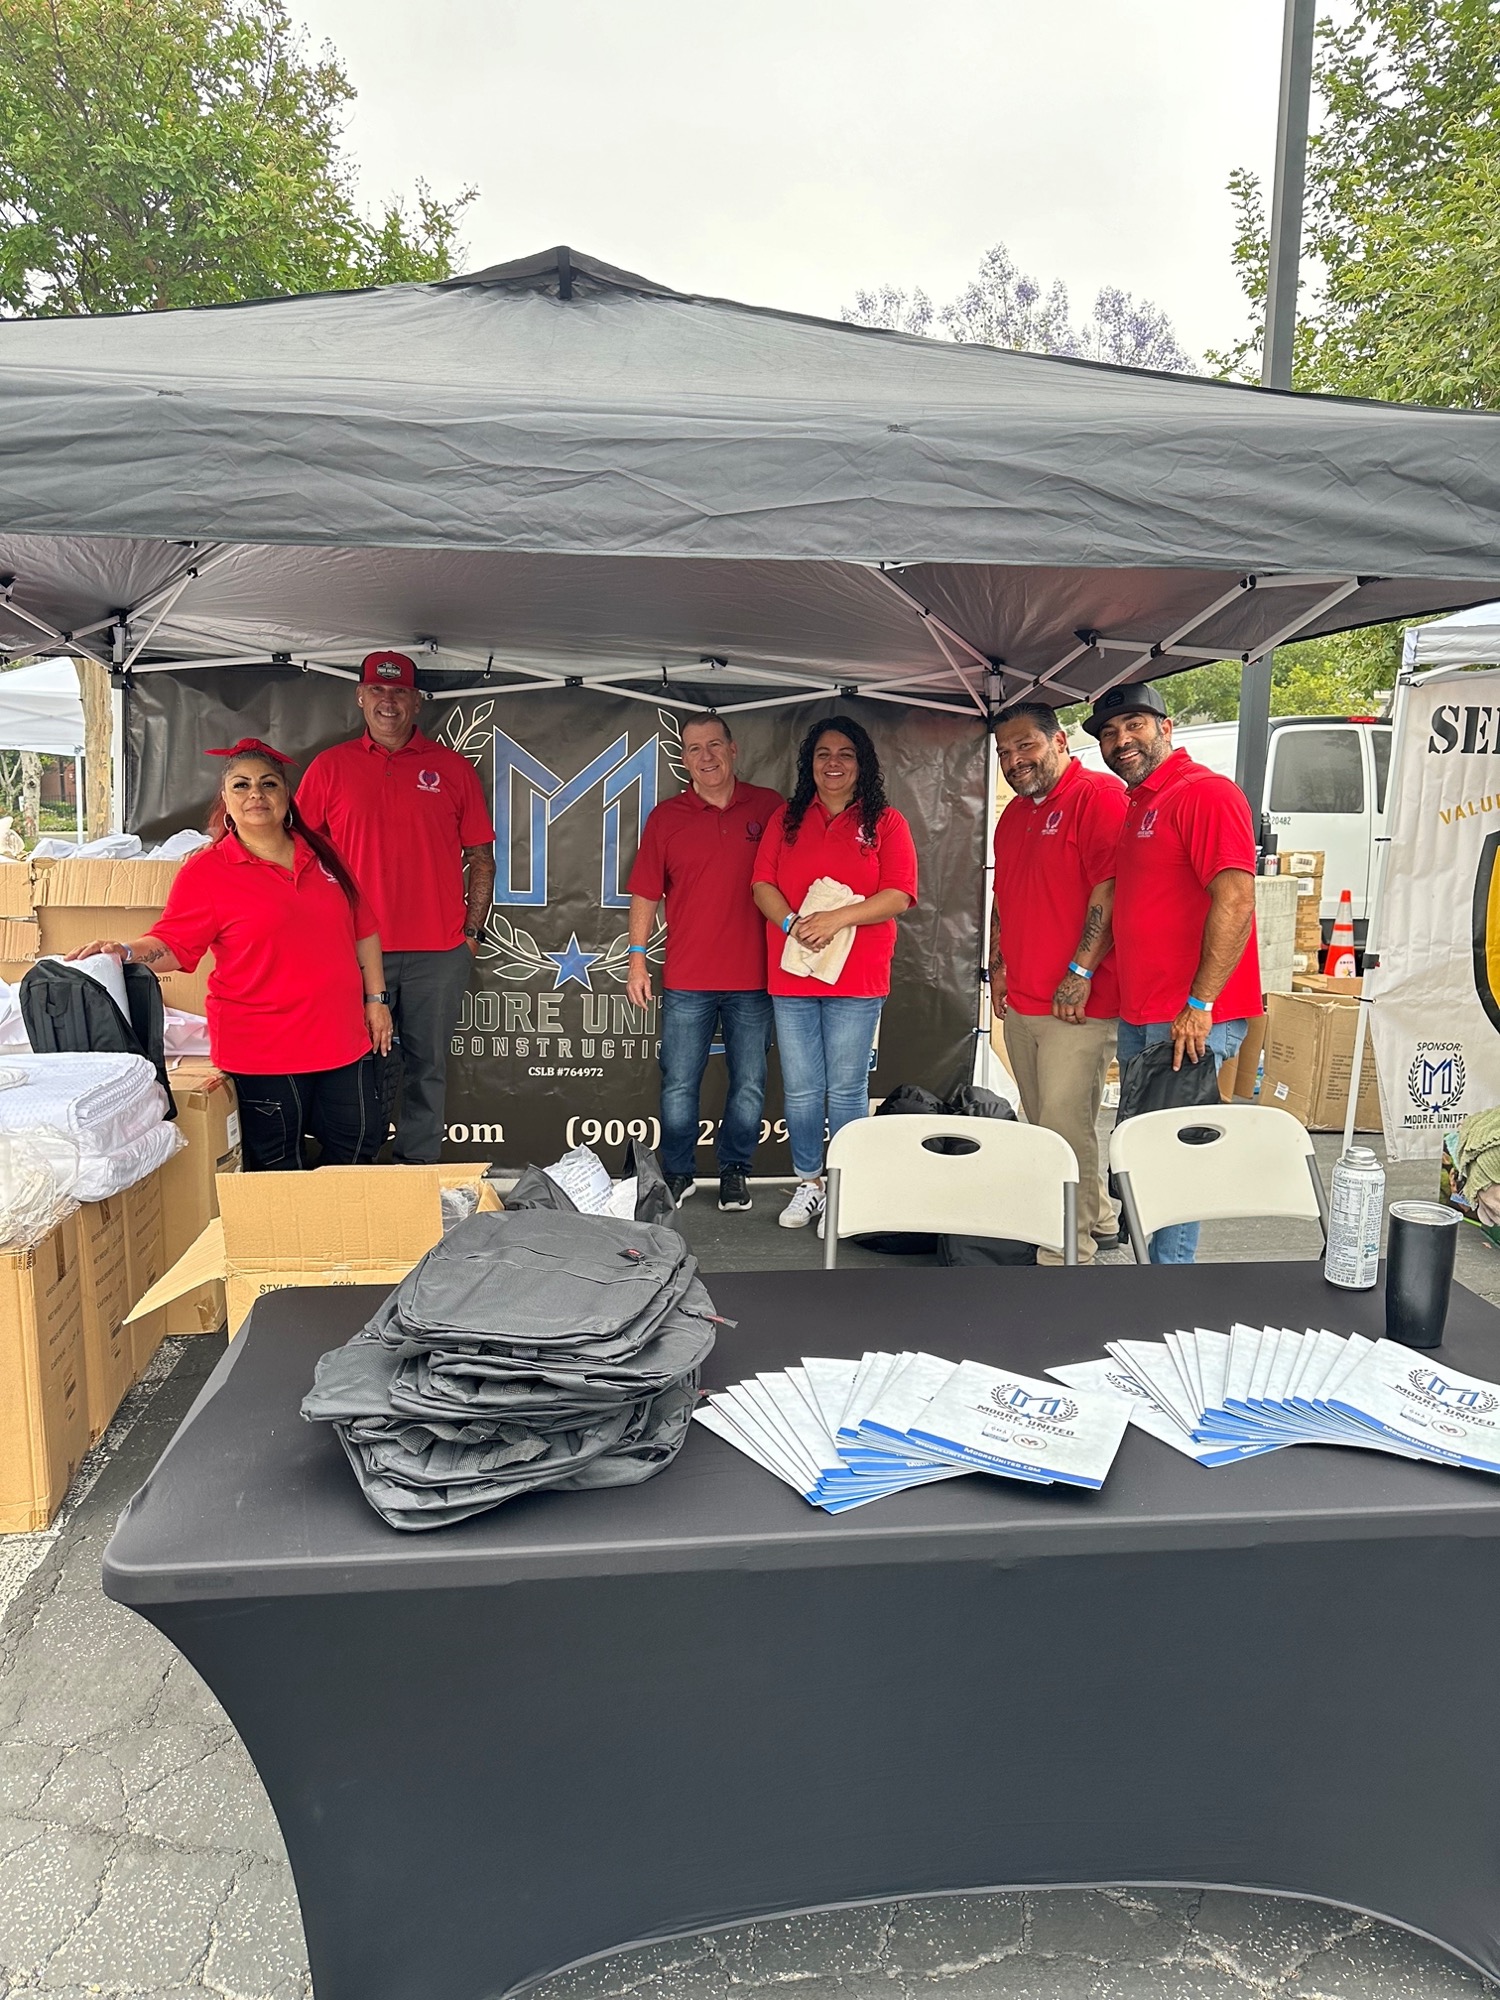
x=479 y=889
x=1072 y=995
x=146 y=950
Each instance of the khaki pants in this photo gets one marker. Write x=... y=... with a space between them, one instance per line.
x=1059 y=1070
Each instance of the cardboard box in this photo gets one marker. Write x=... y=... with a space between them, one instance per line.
x=1309 y=1056
x=338 y=1226
x=20 y=941
x=43 y=1392
x=78 y=901
x=1335 y=989
x=15 y=889
x=1238 y=1079
x=145 y=1265
x=208 y=1118
x=105 y=1280
x=1306 y=868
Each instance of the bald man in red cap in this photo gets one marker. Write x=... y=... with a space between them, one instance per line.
x=410 y=819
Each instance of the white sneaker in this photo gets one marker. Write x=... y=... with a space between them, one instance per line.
x=806 y=1203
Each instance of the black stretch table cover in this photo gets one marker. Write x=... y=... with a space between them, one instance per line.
x=592 y=1718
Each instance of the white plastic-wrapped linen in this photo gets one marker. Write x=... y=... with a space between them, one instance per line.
x=38 y=1185
x=101 y=1102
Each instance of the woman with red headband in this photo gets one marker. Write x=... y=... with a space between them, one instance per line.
x=296 y=1000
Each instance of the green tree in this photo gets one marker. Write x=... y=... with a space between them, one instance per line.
x=1402 y=213
x=159 y=153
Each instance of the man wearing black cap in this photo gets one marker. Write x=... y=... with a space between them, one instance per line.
x=409 y=817
x=1184 y=908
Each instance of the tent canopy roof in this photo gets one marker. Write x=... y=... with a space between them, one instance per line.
x=41 y=709
x=1469 y=639
x=566 y=469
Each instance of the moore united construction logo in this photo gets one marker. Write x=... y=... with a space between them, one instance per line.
x=1435 y=1081
x=1048 y=1408
x=521 y=838
x=1437 y=1391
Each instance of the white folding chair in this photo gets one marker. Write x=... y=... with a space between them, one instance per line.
x=1213 y=1162
x=1002 y=1179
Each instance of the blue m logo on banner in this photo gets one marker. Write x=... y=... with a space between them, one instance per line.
x=616 y=771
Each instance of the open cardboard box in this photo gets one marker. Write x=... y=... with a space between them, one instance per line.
x=338 y=1226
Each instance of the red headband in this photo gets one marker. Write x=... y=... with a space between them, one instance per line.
x=251 y=746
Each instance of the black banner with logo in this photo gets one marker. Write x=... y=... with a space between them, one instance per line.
x=549 y=1051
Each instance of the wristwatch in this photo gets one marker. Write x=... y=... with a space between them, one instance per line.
x=472 y=934
x=377 y=999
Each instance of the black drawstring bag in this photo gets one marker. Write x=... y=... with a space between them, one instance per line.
x=67 y=1012
x=1149 y=1083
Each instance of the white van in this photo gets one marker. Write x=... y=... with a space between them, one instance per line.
x=1325 y=789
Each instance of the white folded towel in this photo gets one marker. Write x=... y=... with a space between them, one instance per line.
x=827 y=964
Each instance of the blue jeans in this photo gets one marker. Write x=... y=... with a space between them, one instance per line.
x=1179 y=1243
x=824 y=1047
x=687 y=1030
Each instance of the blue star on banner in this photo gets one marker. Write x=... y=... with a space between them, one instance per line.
x=573 y=964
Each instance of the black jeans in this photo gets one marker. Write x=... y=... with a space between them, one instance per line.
x=427 y=991
x=340 y=1107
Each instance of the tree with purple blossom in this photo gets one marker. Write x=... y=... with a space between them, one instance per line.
x=1002 y=306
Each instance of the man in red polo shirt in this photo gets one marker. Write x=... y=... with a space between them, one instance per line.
x=697 y=850
x=410 y=820
x=1052 y=974
x=1184 y=909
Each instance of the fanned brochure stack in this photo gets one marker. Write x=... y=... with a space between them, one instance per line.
x=1222 y=1397
x=842 y=1433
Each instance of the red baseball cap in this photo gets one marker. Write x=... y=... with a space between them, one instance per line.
x=387 y=670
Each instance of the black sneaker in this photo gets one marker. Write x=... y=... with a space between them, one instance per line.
x=733 y=1189
x=679 y=1187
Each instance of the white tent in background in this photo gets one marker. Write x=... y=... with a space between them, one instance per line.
x=41 y=709
x=1468 y=639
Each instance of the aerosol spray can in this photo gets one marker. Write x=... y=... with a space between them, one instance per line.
x=1352 y=1260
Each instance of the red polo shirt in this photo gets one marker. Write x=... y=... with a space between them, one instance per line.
x=1183 y=826
x=401 y=820
x=1049 y=853
x=286 y=992
x=837 y=847
x=700 y=857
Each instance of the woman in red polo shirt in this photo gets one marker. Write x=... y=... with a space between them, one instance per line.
x=835 y=830
x=296 y=999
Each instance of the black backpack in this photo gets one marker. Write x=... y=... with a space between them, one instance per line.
x=67 y=1013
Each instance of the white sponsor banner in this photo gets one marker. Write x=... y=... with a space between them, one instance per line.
x=1436 y=1017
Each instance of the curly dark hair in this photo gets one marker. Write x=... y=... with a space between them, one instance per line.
x=869 y=788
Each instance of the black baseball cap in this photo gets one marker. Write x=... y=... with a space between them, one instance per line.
x=1134 y=698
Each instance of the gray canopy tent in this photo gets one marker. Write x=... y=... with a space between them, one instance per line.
x=573 y=492
x=554 y=472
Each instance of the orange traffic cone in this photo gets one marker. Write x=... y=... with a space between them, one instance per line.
x=1339 y=964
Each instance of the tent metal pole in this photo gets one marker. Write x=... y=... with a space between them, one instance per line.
x=66 y=641
x=1345 y=589
x=212 y=555
x=1253 y=741
x=78 y=793
x=991 y=816
x=915 y=701
x=1377 y=900
x=931 y=618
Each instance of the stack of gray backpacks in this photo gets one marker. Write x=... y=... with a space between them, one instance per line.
x=529 y=1349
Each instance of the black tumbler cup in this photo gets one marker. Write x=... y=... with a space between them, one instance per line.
x=1419 y=1271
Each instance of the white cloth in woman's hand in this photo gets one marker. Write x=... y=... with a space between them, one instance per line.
x=827 y=964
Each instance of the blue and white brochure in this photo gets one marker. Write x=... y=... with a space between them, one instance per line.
x=1148 y=1415
x=1424 y=1404
x=997 y=1421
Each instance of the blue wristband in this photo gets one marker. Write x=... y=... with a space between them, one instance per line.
x=1200 y=1006
x=787 y=921
x=1073 y=966
x=640 y=948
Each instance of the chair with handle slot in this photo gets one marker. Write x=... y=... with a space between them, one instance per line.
x=1214 y=1163
x=952 y=1176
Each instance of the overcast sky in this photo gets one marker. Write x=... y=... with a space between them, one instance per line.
x=787 y=151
